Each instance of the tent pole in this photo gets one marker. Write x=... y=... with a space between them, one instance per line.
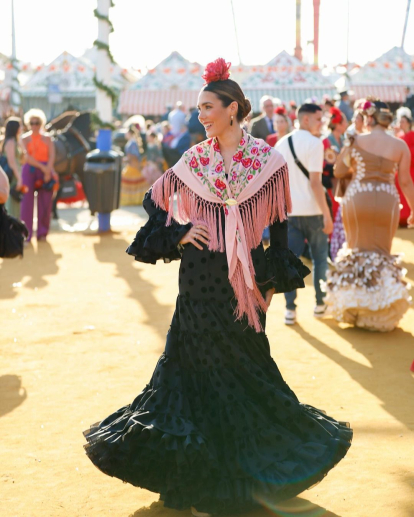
x=316 y=6
x=298 y=49
x=405 y=23
x=235 y=31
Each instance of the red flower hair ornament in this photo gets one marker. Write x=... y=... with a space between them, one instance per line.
x=336 y=115
x=218 y=70
x=369 y=108
x=280 y=110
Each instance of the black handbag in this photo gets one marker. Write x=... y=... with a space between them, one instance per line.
x=12 y=235
x=67 y=189
x=306 y=172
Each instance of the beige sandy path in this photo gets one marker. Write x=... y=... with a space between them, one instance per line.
x=82 y=326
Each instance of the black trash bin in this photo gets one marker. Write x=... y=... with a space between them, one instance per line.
x=102 y=180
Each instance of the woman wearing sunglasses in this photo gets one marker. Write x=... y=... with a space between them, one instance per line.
x=37 y=174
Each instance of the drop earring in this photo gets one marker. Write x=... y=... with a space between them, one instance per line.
x=231 y=121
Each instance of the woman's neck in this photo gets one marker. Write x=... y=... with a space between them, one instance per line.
x=378 y=128
x=229 y=141
x=337 y=135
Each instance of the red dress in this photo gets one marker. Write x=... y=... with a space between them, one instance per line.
x=405 y=209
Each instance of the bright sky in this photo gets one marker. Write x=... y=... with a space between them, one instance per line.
x=146 y=31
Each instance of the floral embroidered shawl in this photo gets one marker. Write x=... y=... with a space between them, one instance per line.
x=253 y=195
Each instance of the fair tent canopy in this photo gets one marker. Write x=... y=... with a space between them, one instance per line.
x=386 y=77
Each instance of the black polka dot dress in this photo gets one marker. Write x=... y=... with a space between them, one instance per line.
x=217 y=427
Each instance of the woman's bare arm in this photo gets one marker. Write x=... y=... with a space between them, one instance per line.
x=343 y=164
x=52 y=153
x=405 y=180
x=10 y=150
x=4 y=186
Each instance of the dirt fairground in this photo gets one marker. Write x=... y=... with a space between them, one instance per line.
x=82 y=326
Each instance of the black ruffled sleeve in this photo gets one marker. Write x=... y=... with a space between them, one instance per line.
x=284 y=270
x=154 y=240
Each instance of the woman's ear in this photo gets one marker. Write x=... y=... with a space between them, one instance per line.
x=234 y=107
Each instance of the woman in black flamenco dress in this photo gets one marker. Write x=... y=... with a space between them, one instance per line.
x=216 y=428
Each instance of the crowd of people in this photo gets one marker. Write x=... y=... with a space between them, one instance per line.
x=153 y=146
x=315 y=138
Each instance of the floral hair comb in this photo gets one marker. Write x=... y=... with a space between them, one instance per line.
x=218 y=70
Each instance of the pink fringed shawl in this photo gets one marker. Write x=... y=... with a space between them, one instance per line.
x=254 y=195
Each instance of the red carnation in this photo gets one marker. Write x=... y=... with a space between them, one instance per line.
x=250 y=177
x=247 y=162
x=336 y=115
x=255 y=150
x=199 y=174
x=216 y=147
x=238 y=156
x=204 y=161
x=242 y=141
x=219 y=168
x=194 y=162
x=266 y=149
x=256 y=164
x=218 y=70
x=220 y=184
x=199 y=149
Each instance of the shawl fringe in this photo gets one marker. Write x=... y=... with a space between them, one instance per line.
x=270 y=203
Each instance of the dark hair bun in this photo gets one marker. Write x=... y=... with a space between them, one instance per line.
x=244 y=110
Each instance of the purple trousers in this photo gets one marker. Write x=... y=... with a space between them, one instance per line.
x=44 y=202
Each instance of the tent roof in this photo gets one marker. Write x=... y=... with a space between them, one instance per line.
x=395 y=67
x=72 y=76
x=174 y=72
x=285 y=70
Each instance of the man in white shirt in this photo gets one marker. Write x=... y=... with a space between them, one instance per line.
x=310 y=219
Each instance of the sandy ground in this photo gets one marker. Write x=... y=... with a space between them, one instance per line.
x=82 y=326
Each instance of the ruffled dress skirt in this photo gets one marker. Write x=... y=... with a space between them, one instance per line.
x=367 y=289
x=217 y=427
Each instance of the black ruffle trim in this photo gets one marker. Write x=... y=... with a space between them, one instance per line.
x=284 y=270
x=156 y=241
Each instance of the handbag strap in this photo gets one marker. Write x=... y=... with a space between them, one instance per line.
x=296 y=159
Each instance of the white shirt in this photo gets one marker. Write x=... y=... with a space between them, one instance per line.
x=309 y=150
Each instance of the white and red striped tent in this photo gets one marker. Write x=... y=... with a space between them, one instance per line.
x=386 y=77
x=286 y=78
x=174 y=79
